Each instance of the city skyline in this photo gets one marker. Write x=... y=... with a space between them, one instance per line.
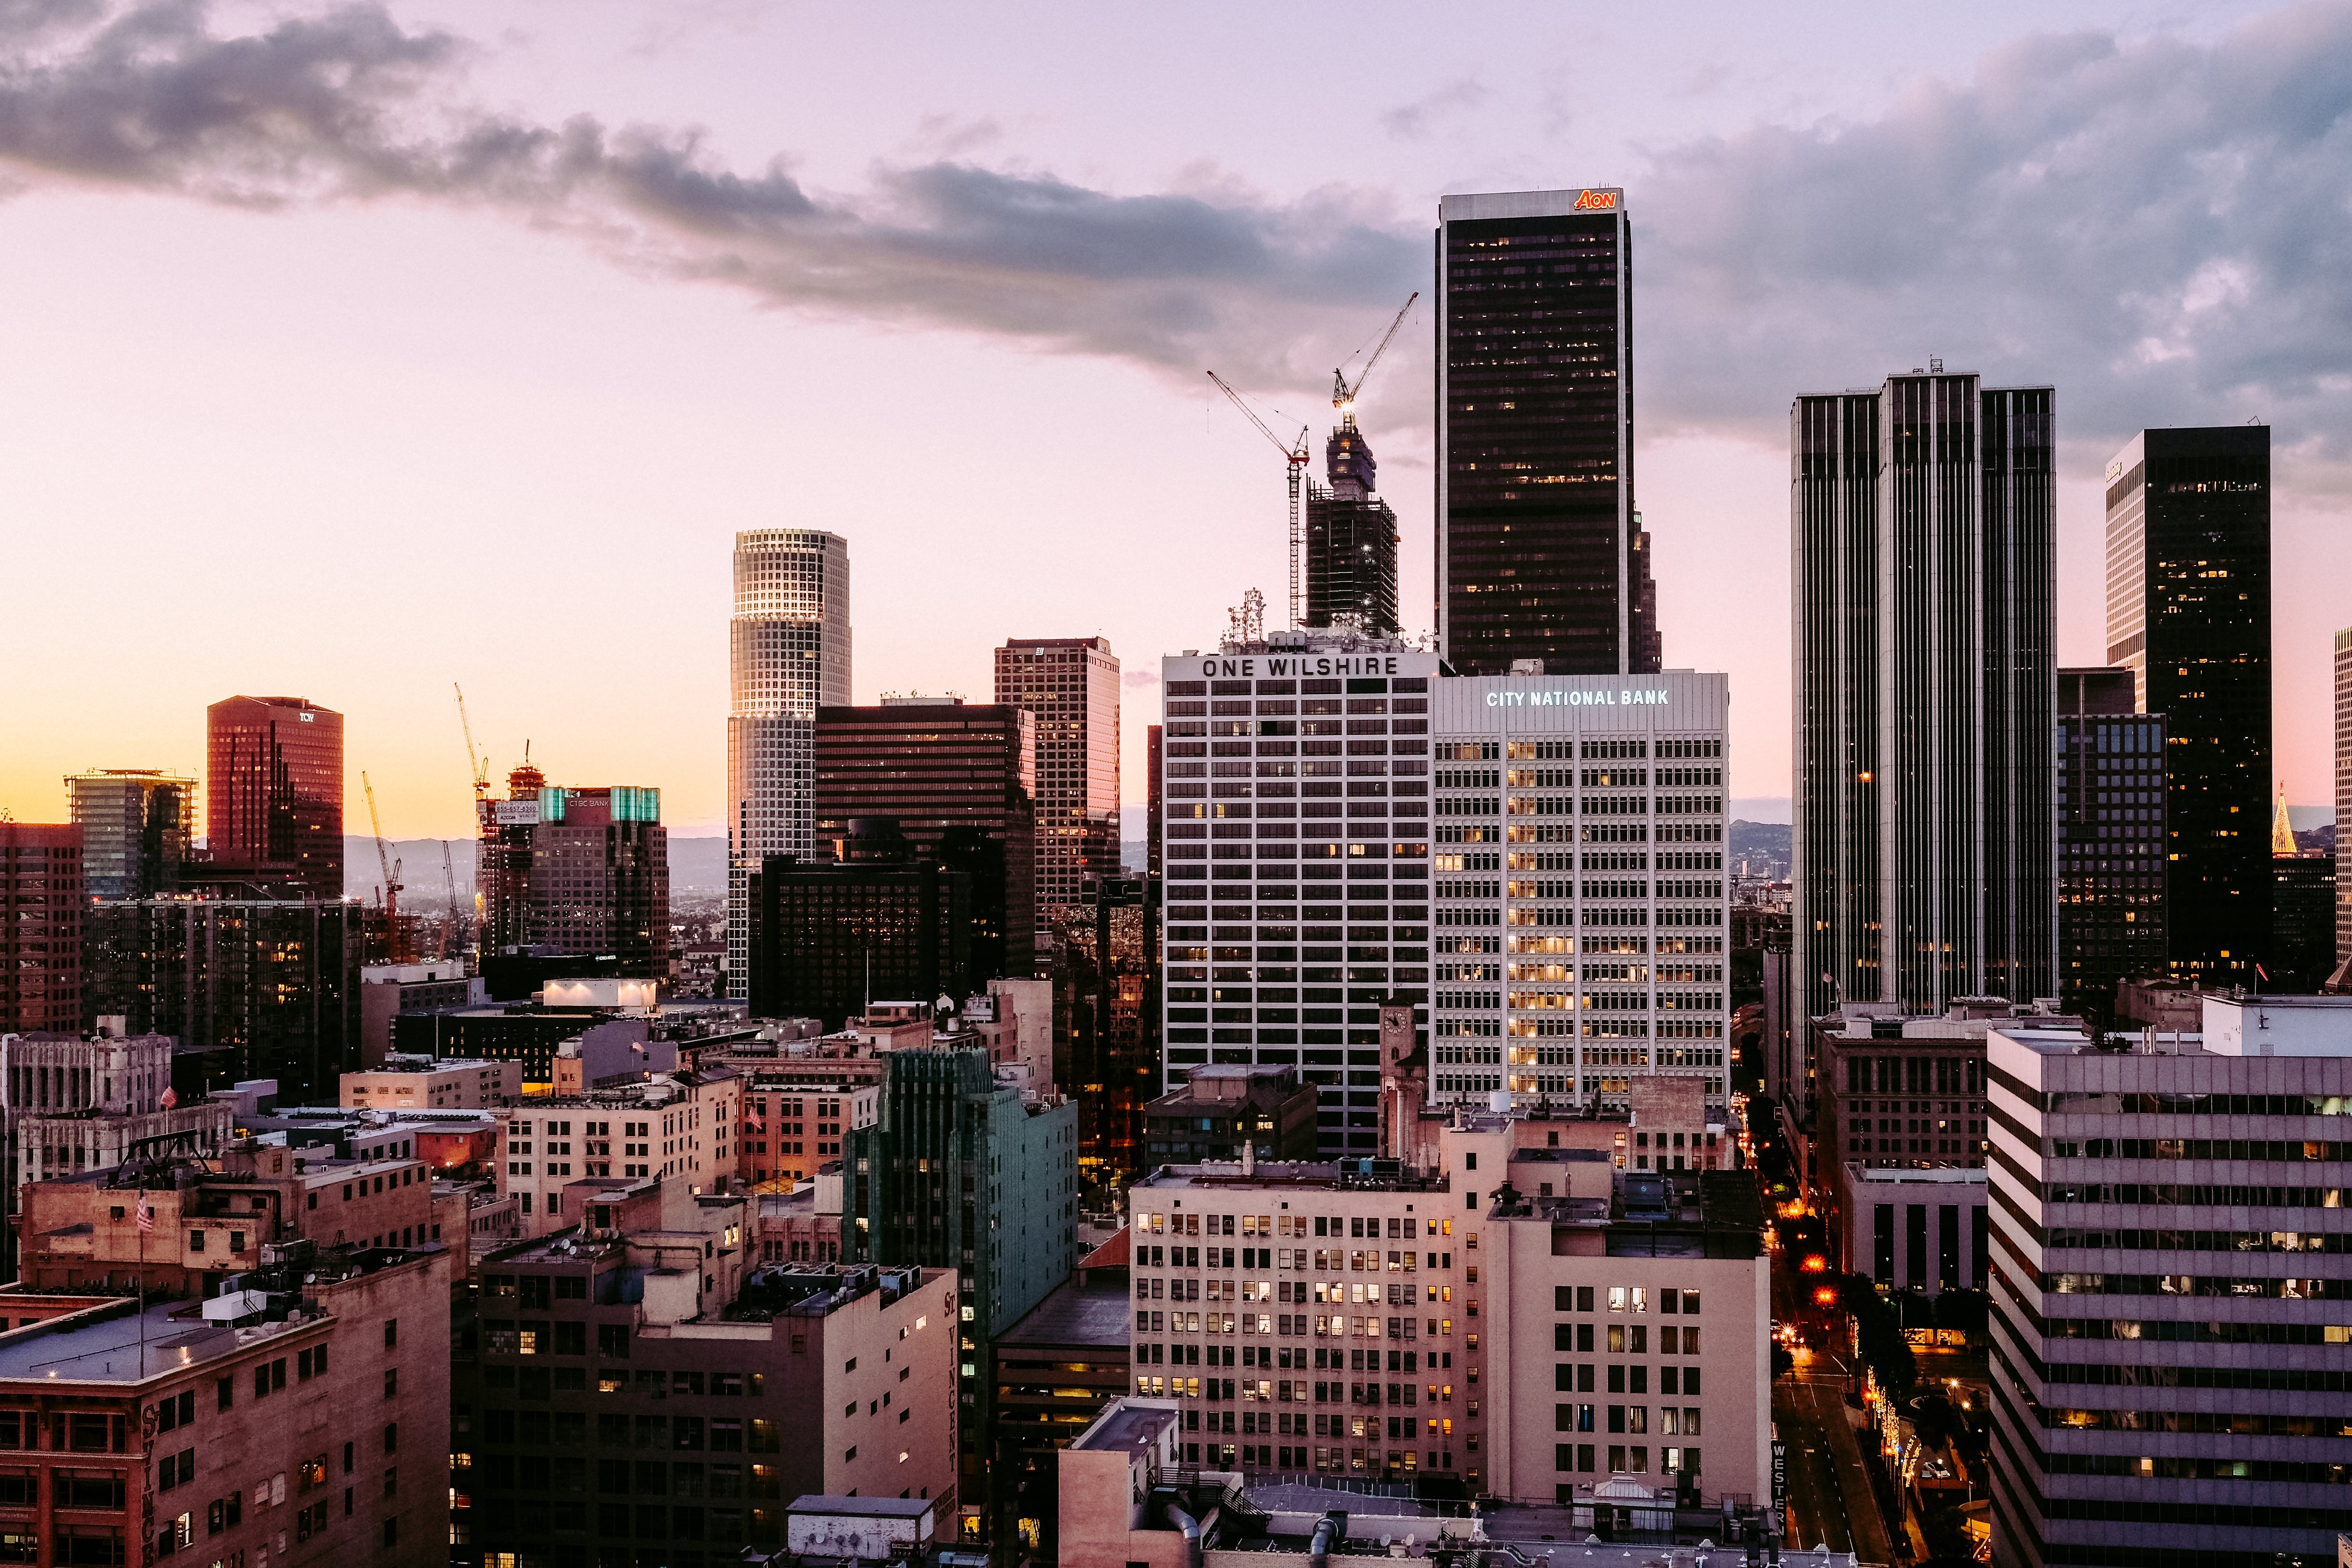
x=533 y=428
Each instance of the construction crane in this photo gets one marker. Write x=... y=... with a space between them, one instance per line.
x=1294 y=454
x=1343 y=396
x=390 y=874
x=449 y=919
x=477 y=764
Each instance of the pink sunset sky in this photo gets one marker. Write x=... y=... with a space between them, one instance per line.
x=351 y=352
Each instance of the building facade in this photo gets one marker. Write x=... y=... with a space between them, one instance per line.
x=959 y=781
x=311 y=1409
x=599 y=883
x=1219 y=1110
x=560 y=1155
x=1070 y=687
x=2111 y=839
x=2169 y=1364
x=788 y=656
x=274 y=793
x=42 y=888
x=1539 y=547
x=1581 y=902
x=2188 y=613
x=138 y=826
x=421 y=1083
x=1295 y=805
x=2344 y=794
x=958 y=1166
x=251 y=988
x=829 y=936
x=1921 y=528
x=598 y=1420
x=1909 y=1229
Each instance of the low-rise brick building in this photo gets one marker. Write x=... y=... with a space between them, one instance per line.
x=304 y=1417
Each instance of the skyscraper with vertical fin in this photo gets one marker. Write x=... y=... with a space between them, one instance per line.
x=1539 y=552
x=2344 y=796
x=1925 y=563
x=788 y=655
x=2188 y=613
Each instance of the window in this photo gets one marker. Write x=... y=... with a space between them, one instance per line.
x=225 y=1392
x=391 y=1333
x=311 y=1363
x=195 y=1241
x=613 y=1339
x=391 y=1382
x=392 y=1437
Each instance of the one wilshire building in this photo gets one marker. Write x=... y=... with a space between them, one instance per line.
x=1541 y=554
x=1294 y=822
x=1922 y=525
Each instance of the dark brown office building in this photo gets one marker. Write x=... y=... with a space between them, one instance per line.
x=2188 y=613
x=1218 y=1108
x=958 y=780
x=273 y=791
x=878 y=922
x=1540 y=551
x=40 y=927
x=599 y=881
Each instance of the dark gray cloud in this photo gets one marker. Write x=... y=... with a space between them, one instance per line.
x=2162 y=228
x=1415 y=118
x=348 y=105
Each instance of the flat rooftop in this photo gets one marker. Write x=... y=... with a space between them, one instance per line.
x=116 y=1345
x=1095 y=1314
x=1126 y=1427
x=1336 y=1175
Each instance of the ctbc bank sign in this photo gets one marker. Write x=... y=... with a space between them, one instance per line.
x=1582 y=697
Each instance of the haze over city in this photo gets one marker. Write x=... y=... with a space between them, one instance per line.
x=357 y=351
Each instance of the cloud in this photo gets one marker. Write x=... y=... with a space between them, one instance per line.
x=1413 y=119
x=2162 y=228
x=348 y=105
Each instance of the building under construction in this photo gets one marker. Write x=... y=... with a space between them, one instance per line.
x=1350 y=545
x=576 y=871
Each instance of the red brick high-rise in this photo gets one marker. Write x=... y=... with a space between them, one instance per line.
x=41 y=935
x=274 y=791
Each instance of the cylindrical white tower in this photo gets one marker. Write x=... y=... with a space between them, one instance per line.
x=788 y=655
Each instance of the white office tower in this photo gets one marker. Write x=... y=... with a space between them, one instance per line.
x=1295 y=800
x=1580 y=911
x=788 y=655
x=2171 y=1324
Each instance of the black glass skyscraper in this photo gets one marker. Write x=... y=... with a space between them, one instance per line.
x=1537 y=550
x=2188 y=612
x=1925 y=563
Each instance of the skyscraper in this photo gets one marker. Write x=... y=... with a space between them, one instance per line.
x=599 y=882
x=2188 y=611
x=2344 y=794
x=40 y=939
x=1539 y=554
x=958 y=780
x=273 y=791
x=1921 y=518
x=1351 y=538
x=788 y=655
x=137 y=828
x=1071 y=684
x=2110 y=840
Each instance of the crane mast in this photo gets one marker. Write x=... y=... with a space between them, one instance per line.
x=1294 y=454
x=390 y=874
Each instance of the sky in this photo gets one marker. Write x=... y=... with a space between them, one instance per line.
x=360 y=352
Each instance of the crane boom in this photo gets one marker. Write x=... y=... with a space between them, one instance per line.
x=1295 y=453
x=1343 y=396
x=477 y=764
x=390 y=874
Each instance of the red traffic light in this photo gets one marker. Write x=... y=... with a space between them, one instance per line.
x=1827 y=1295
x=1815 y=1263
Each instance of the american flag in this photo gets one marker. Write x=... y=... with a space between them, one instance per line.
x=146 y=1213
